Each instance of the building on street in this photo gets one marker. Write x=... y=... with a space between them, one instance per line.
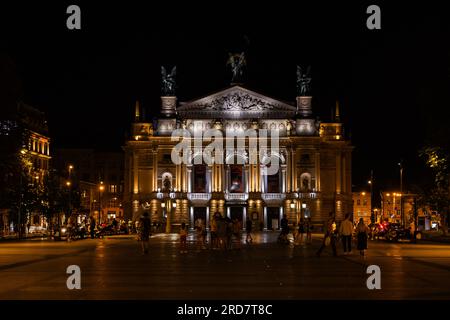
x=314 y=157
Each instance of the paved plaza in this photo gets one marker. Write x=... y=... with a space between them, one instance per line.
x=114 y=268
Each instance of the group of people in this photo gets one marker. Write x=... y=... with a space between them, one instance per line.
x=345 y=231
x=304 y=227
x=226 y=233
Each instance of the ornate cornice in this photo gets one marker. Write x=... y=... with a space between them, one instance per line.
x=236 y=102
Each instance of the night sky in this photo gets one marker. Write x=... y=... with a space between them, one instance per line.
x=393 y=84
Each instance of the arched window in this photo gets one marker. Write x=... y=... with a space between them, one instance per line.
x=236 y=173
x=166 y=181
x=305 y=181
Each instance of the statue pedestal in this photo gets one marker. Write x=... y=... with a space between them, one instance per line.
x=304 y=108
x=168 y=105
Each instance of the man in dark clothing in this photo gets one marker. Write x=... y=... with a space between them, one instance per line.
x=145 y=231
x=284 y=223
x=92 y=227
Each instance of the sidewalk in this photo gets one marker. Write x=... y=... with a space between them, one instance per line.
x=435 y=236
x=12 y=237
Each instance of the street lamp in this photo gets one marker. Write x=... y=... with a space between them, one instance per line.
x=167 y=204
x=23 y=152
x=101 y=188
x=401 y=192
x=303 y=209
x=370 y=182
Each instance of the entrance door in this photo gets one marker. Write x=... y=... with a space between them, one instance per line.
x=273 y=218
x=200 y=213
x=237 y=212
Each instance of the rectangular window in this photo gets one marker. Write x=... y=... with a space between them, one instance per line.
x=273 y=183
x=113 y=188
x=199 y=178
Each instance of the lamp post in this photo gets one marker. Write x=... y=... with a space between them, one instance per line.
x=370 y=182
x=401 y=193
x=293 y=207
x=303 y=211
x=167 y=204
x=101 y=188
x=68 y=184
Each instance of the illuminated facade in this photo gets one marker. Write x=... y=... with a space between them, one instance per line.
x=362 y=206
x=24 y=136
x=99 y=177
x=314 y=176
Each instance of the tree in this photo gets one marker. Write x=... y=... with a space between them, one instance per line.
x=437 y=197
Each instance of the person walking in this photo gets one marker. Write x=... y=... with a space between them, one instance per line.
x=237 y=226
x=329 y=236
x=183 y=238
x=145 y=231
x=199 y=235
x=222 y=233
x=248 y=230
x=213 y=232
x=283 y=237
x=92 y=227
x=346 y=232
x=301 y=231
x=412 y=231
x=362 y=231
x=309 y=228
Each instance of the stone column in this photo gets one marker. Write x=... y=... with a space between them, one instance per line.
x=244 y=217
x=265 y=218
x=207 y=218
x=191 y=218
x=246 y=177
x=280 y=216
x=189 y=178
x=209 y=179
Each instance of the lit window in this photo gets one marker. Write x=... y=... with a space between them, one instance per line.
x=113 y=188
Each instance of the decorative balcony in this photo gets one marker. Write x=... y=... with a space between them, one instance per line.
x=236 y=196
x=199 y=196
x=273 y=196
x=309 y=194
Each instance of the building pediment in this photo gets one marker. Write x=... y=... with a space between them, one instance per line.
x=236 y=103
